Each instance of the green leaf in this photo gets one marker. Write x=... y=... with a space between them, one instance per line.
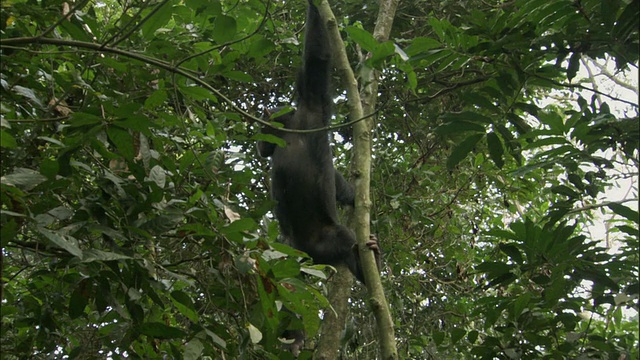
x=599 y=277
x=627 y=23
x=521 y=304
x=576 y=181
x=503 y=234
x=8 y=230
x=197 y=93
x=287 y=250
x=238 y=226
x=159 y=19
x=82 y=119
x=28 y=93
x=565 y=190
x=49 y=168
x=92 y=255
x=459 y=127
x=286 y=268
x=74 y=28
x=556 y=290
x=457 y=334
x=494 y=269
x=216 y=339
x=237 y=75
x=503 y=280
x=438 y=337
x=625 y=212
x=422 y=44
x=472 y=336
x=315 y=271
x=550 y=16
x=435 y=56
x=628 y=230
x=469 y=116
x=439 y=27
x=157 y=98
x=225 y=29
x=519 y=123
x=545 y=142
x=574 y=65
x=185 y=306
x=446 y=62
x=476 y=98
x=159 y=330
x=158 y=176
x=136 y=123
x=260 y=47
x=123 y=141
x=462 y=150
x=512 y=251
x=66 y=242
x=25 y=179
x=496 y=150
x=382 y=52
x=193 y=350
x=78 y=300
x=270 y=139
x=362 y=38
x=7 y=140
x=254 y=333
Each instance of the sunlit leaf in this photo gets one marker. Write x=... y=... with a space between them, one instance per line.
x=99 y=255
x=22 y=178
x=254 y=333
x=66 y=242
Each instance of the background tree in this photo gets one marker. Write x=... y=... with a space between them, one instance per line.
x=135 y=217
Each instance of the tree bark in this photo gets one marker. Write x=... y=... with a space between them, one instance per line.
x=361 y=166
x=334 y=319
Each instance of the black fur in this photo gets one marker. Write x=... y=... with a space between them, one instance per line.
x=304 y=182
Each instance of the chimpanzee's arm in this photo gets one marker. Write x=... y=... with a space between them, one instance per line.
x=344 y=191
x=266 y=149
x=313 y=82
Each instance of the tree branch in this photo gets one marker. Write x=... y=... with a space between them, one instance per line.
x=358 y=106
x=140 y=57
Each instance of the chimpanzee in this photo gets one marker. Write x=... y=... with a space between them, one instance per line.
x=304 y=182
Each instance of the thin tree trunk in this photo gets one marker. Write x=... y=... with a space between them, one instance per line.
x=362 y=173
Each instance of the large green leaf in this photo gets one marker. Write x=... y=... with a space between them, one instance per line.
x=462 y=150
x=160 y=331
x=158 y=17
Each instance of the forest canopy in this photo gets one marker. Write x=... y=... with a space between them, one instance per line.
x=136 y=220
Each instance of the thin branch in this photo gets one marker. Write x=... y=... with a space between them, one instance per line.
x=12 y=42
x=60 y=118
x=581 y=87
x=450 y=89
x=143 y=58
x=63 y=18
x=601 y=205
x=136 y=26
x=264 y=20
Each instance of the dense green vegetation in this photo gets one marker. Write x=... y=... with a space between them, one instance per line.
x=135 y=217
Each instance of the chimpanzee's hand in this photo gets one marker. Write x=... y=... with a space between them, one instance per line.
x=372 y=244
